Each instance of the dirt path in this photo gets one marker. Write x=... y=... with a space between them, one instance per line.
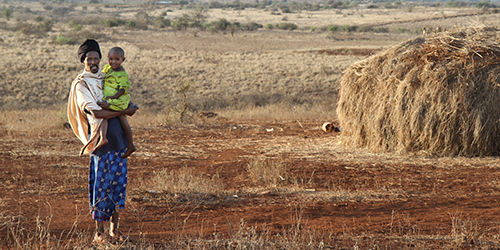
x=337 y=193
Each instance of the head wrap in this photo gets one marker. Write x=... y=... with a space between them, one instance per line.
x=87 y=46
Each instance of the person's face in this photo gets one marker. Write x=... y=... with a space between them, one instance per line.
x=115 y=59
x=92 y=61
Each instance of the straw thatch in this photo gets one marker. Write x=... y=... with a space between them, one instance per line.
x=439 y=94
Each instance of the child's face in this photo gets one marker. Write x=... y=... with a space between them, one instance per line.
x=115 y=59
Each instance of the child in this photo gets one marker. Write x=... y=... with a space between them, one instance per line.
x=115 y=89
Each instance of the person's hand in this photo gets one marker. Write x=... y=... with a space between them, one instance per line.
x=130 y=111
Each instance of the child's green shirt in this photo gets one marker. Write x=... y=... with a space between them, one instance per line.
x=114 y=81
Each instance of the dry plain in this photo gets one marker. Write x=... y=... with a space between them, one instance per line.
x=260 y=174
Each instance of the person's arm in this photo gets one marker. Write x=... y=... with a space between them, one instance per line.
x=107 y=114
x=119 y=93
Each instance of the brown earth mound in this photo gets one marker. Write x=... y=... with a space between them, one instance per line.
x=439 y=94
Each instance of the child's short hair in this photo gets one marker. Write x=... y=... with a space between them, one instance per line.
x=118 y=50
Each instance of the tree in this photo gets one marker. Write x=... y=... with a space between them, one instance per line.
x=196 y=18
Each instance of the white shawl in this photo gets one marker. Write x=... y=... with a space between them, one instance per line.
x=86 y=91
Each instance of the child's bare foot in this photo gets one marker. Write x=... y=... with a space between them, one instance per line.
x=129 y=151
x=101 y=143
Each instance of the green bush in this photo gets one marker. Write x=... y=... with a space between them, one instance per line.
x=269 y=26
x=364 y=28
x=286 y=26
x=400 y=30
x=7 y=13
x=131 y=24
x=333 y=28
x=349 y=28
x=251 y=26
x=381 y=30
x=38 y=18
x=221 y=24
x=161 y=22
x=63 y=40
x=113 y=22
x=74 y=25
x=285 y=10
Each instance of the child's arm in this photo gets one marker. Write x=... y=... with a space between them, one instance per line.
x=119 y=93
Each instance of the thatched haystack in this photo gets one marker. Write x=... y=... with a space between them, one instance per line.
x=439 y=94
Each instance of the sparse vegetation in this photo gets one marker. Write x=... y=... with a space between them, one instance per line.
x=231 y=154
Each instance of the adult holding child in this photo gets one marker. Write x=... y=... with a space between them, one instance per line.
x=108 y=167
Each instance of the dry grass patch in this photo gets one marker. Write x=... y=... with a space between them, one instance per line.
x=184 y=184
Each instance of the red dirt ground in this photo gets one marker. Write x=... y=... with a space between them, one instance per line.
x=346 y=196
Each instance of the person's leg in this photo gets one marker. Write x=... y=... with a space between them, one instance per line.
x=113 y=223
x=103 y=132
x=114 y=231
x=100 y=236
x=128 y=132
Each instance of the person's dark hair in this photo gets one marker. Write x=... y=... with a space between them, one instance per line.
x=118 y=50
x=87 y=46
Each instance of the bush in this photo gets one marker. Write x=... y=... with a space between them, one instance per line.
x=251 y=26
x=286 y=26
x=74 y=25
x=485 y=5
x=113 y=22
x=63 y=40
x=333 y=28
x=7 y=13
x=348 y=28
x=285 y=10
x=38 y=18
x=161 y=22
x=269 y=26
x=381 y=30
x=364 y=28
x=131 y=24
x=221 y=24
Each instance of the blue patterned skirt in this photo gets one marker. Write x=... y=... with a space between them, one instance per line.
x=107 y=184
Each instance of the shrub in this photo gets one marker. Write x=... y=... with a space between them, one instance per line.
x=269 y=26
x=381 y=30
x=285 y=10
x=401 y=30
x=131 y=24
x=113 y=22
x=161 y=22
x=221 y=24
x=63 y=40
x=286 y=26
x=38 y=18
x=348 y=28
x=333 y=28
x=364 y=28
x=74 y=25
x=251 y=26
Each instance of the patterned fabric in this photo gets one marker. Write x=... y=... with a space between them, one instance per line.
x=114 y=81
x=107 y=184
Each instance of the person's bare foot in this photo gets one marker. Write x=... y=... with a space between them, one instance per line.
x=102 y=239
x=129 y=151
x=101 y=143
x=121 y=237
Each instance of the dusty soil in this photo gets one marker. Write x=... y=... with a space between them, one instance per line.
x=348 y=197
